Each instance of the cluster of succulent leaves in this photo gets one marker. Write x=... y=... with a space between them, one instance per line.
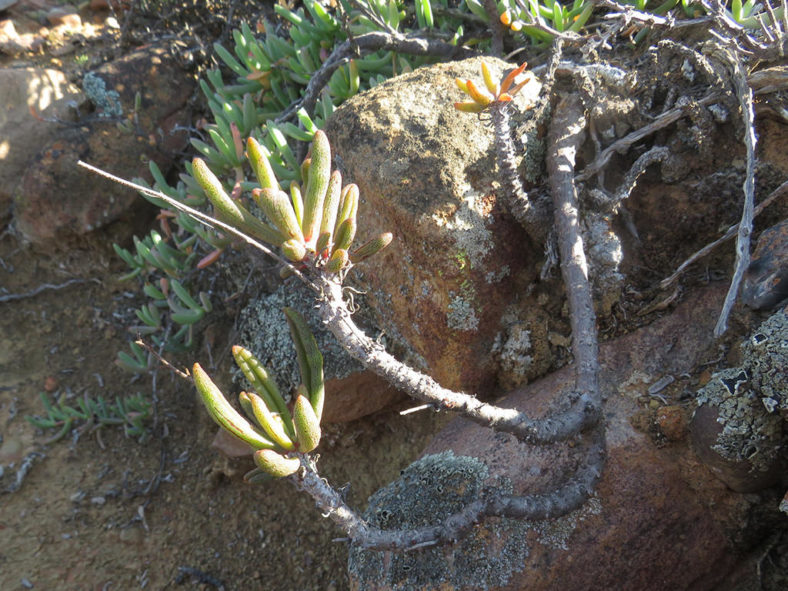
x=493 y=92
x=274 y=431
x=314 y=225
x=130 y=412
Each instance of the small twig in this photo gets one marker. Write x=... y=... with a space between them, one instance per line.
x=368 y=43
x=626 y=142
x=780 y=191
x=744 y=94
x=180 y=373
x=9 y=297
x=413 y=409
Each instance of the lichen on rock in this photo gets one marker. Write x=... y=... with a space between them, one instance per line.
x=107 y=102
x=737 y=429
x=428 y=491
x=265 y=332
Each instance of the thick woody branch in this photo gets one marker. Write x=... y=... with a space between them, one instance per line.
x=566 y=135
x=566 y=498
x=579 y=411
x=534 y=222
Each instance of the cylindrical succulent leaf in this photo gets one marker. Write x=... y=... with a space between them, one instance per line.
x=507 y=82
x=294 y=250
x=310 y=360
x=477 y=95
x=345 y=234
x=230 y=210
x=331 y=205
x=491 y=85
x=257 y=375
x=258 y=158
x=307 y=425
x=372 y=247
x=224 y=414
x=246 y=405
x=305 y=169
x=323 y=242
x=316 y=187
x=348 y=203
x=270 y=422
x=469 y=107
x=298 y=201
x=278 y=208
x=338 y=261
x=273 y=463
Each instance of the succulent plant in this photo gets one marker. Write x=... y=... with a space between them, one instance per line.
x=494 y=93
x=314 y=225
x=274 y=431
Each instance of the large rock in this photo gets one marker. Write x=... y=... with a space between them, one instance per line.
x=57 y=198
x=658 y=519
x=30 y=98
x=427 y=173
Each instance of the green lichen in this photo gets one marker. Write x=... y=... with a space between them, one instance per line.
x=107 y=102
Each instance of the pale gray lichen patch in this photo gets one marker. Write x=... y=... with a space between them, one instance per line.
x=749 y=433
x=766 y=355
x=461 y=314
x=555 y=533
x=748 y=397
x=468 y=227
x=264 y=331
x=107 y=102
x=514 y=353
x=427 y=492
